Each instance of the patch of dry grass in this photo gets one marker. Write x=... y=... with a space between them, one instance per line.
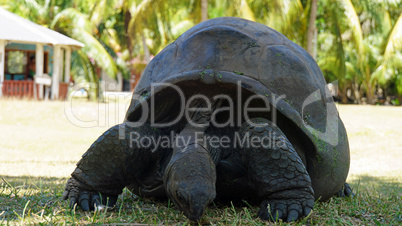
x=375 y=134
x=48 y=138
x=40 y=144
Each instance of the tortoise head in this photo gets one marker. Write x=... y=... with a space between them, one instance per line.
x=190 y=181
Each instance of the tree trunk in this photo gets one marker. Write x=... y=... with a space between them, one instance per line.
x=204 y=10
x=311 y=26
x=98 y=92
x=344 y=95
x=369 y=94
x=357 y=93
x=369 y=88
x=147 y=54
x=127 y=18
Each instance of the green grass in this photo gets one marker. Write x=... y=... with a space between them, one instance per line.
x=38 y=200
x=40 y=146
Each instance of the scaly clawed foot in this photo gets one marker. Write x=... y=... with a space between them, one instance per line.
x=286 y=209
x=86 y=199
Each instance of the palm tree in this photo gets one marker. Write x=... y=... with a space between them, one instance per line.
x=377 y=43
x=149 y=25
x=334 y=57
x=77 y=25
x=356 y=40
x=311 y=26
x=204 y=10
x=390 y=65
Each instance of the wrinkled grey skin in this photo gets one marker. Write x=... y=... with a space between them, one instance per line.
x=311 y=162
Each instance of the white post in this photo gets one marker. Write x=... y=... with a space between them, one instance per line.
x=56 y=72
x=68 y=65
x=2 y=62
x=39 y=58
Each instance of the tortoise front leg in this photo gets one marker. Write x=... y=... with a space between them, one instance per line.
x=108 y=166
x=277 y=172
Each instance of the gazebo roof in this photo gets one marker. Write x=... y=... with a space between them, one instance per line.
x=17 y=29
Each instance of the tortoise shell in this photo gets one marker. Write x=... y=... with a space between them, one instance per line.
x=223 y=51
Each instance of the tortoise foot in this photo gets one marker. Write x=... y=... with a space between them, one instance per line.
x=287 y=209
x=86 y=199
x=346 y=191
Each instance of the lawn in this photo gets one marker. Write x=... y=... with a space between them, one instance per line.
x=40 y=142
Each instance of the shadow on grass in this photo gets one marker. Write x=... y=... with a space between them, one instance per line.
x=376 y=202
x=380 y=185
x=21 y=194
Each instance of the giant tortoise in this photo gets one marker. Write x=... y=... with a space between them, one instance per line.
x=231 y=110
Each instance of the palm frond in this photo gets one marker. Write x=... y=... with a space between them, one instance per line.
x=72 y=18
x=94 y=49
x=103 y=9
x=181 y=27
x=245 y=11
x=394 y=45
x=77 y=25
x=394 y=40
x=354 y=24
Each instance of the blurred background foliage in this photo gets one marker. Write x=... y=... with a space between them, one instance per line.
x=357 y=43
